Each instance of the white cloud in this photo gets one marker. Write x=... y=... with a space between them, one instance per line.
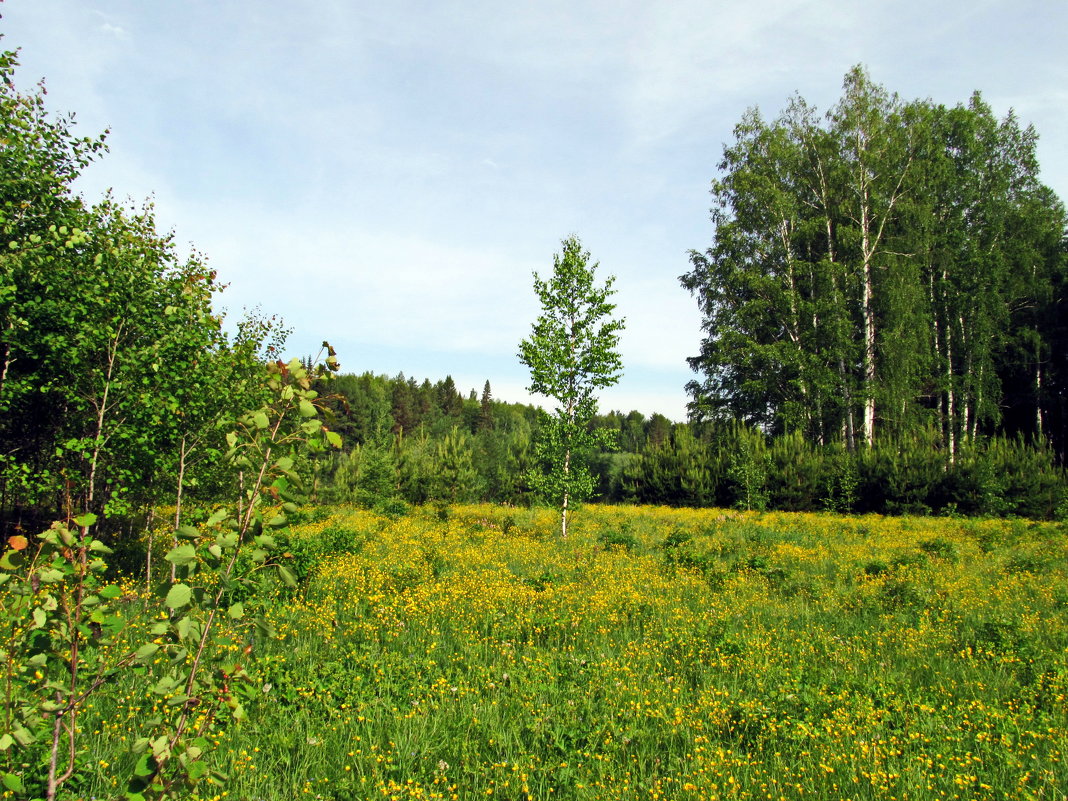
x=113 y=30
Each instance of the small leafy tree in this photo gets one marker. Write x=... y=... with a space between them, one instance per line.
x=748 y=469
x=571 y=353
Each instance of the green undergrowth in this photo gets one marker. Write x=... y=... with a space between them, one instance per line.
x=467 y=651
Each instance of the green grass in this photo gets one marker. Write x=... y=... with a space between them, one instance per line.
x=655 y=654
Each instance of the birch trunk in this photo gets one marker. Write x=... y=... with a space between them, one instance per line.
x=868 y=315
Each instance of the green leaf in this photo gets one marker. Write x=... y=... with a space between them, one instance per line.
x=39 y=618
x=183 y=627
x=184 y=554
x=96 y=546
x=237 y=611
x=6 y=741
x=217 y=517
x=307 y=409
x=264 y=628
x=146 y=765
x=110 y=592
x=286 y=575
x=145 y=651
x=50 y=575
x=197 y=770
x=285 y=464
x=187 y=532
x=260 y=420
x=333 y=438
x=161 y=746
x=12 y=560
x=22 y=735
x=13 y=783
x=179 y=596
x=85 y=520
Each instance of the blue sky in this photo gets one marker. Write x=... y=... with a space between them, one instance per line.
x=388 y=175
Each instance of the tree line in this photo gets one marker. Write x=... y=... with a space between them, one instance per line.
x=477 y=448
x=883 y=324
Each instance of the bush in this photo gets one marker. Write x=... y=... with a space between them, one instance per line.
x=302 y=554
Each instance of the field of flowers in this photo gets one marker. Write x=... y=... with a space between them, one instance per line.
x=467 y=652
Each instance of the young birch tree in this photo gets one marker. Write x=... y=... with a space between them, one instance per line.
x=571 y=354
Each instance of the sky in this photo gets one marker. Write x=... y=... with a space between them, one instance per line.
x=388 y=176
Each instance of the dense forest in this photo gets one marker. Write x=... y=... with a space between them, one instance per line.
x=422 y=441
x=883 y=309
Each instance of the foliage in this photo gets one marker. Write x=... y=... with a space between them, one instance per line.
x=748 y=469
x=479 y=655
x=64 y=629
x=114 y=370
x=889 y=269
x=571 y=353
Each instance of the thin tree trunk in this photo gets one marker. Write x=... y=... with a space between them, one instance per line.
x=148 y=556
x=101 y=412
x=951 y=399
x=567 y=473
x=849 y=429
x=937 y=342
x=793 y=329
x=1040 y=428
x=868 y=314
x=8 y=359
x=66 y=719
x=178 y=501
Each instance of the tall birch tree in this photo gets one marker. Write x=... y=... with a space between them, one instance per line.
x=572 y=352
x=885 y=268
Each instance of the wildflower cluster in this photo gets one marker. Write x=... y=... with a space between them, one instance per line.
x=665 y=653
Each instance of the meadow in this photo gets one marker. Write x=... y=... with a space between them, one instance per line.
x=462 y=652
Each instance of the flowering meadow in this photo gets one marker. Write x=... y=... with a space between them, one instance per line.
x=467 y=652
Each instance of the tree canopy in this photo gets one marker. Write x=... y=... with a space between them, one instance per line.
x=888 y=267
x=113 y=366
